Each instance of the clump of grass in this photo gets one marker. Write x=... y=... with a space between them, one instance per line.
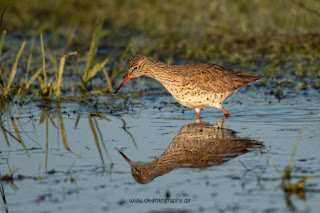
x=90 y=73
x=46 y=87
x=6 y=90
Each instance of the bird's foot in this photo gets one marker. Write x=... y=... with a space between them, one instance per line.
x=220 y=124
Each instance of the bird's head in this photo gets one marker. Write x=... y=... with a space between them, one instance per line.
x=135 y=69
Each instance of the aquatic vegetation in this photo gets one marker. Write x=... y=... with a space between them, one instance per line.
x=90 y=73
x=299 y=187
x=7 y=86
x=279 y=43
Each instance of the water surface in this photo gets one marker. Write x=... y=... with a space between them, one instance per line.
x=179 y=165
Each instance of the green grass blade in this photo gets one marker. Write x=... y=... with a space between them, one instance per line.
x=5 y=137
x=27 y=134
x=131 y=136
x=43 y=116
x=1 y=43
x=29 y=61
x=114 y=71
x=33 y=77
x=20 y=109
x=8 y=93
x=91 y=52
x=42 y=85
x=93 y=72
x=1 y=18
x=43 y=60
x=97 y=67
x=15 y=126
x=57 y=86
x=63 y=132
x=14 y=137
x=4 y=32
x=14 y=68
x=96 y=139
x=101 y=139
x=4 y=133
x=77 y=121
x=53 y=124
x=109 y=87
x=79 y=74
x=47 y=144
x=296 y=146
x=4 y=199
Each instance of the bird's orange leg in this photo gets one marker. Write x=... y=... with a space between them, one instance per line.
x=225 y=112
x=198 y=112
x=198 y=115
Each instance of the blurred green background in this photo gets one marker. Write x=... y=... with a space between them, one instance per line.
x=275 y=38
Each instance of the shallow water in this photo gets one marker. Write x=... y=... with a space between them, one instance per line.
x=197 y=166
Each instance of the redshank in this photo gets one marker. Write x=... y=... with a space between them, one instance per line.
x=197 y=145
x=196 y=86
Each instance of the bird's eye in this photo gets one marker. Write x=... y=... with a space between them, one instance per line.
x=138 y=171
x=135 y=68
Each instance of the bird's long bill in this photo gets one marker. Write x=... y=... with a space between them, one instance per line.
x=127 y=78
x=127 y=159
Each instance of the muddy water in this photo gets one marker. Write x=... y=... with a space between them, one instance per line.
x=177 y=164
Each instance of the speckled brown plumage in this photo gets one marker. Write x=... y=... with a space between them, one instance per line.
x=197 y=145
x=197 y=85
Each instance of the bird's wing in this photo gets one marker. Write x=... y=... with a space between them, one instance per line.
x=215 y=78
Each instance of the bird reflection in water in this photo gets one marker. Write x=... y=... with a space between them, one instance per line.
x=198 y=145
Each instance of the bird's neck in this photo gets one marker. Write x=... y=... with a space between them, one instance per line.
x=156 y=69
